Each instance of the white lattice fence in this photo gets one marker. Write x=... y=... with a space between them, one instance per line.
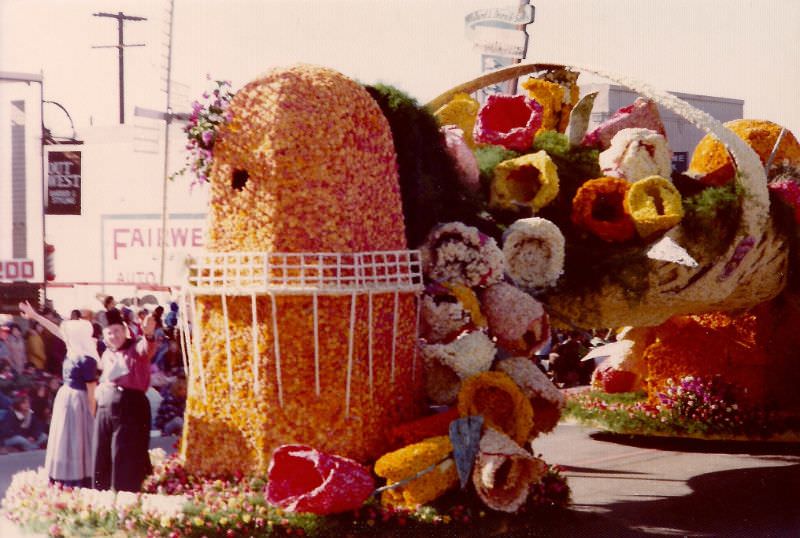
x=312 y=275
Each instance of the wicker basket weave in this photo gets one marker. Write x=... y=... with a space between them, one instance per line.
x=741 y=277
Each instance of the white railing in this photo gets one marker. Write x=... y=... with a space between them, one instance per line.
x=304 y=274
x=242 y=273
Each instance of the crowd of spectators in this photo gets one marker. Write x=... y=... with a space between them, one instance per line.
x=30 y=372
x=565 y=364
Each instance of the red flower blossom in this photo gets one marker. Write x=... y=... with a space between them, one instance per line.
x=302 y=479
x=510 y=121
x=789 y=192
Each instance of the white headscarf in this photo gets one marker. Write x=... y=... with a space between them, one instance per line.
x=78 y=337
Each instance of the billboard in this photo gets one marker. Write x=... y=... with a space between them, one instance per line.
x=131 y=247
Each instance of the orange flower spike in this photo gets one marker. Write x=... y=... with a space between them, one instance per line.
x=598 y=207
x=501 y=402
x=422 y=428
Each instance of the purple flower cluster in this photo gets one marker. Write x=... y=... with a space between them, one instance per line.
x=208 y=115
x=707 y=405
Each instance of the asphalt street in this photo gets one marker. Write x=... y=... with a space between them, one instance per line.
x=623 y=485
x=628 y=486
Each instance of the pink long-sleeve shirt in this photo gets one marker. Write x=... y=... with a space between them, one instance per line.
x=136 y=356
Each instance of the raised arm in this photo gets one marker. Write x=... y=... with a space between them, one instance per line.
x=147 y=344
x=28 y=312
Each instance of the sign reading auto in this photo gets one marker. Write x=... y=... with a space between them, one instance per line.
x=12 y=270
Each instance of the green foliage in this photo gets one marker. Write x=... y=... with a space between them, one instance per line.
x=553 y=142
x=490 y=156
x=429 y=180
x=712 y=216
x=621 y=413
x=712 y=202
x=687 y=407
x=706 y=208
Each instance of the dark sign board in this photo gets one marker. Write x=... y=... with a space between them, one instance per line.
x=680 y=161
x=64 y=183
x=13 y=294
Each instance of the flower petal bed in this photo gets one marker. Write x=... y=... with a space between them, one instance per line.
x=696 y=407
x=178 y=504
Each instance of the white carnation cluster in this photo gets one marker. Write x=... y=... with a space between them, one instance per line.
x=460 y=254
x=441 y=319
x=533 y=382
x=448 y=364
x=534 y=253
x=635 y=154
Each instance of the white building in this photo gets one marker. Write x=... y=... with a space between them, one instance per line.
x=115 y=242
x=21 y=191
x=682 y=135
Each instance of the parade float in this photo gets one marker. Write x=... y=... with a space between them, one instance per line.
x=361 y=336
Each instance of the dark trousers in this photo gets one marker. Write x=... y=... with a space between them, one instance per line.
x=121 y=441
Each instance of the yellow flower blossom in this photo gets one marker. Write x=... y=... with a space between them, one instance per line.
x=470 y=302
x=496 y=397
x=550 y=95
x=408 y=461
x=530 y=180
x=462 y=110
x=654 y=204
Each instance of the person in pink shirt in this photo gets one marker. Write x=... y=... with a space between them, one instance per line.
x=122 y=426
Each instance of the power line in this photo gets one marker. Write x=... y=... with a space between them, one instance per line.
x=120 y=46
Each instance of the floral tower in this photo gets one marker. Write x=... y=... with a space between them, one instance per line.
x=303 y=312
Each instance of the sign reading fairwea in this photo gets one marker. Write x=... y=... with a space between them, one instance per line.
x=131 y=247
x=63 y=182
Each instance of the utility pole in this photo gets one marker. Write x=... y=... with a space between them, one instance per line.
x=168 y=117
x=167 y=122
x=120 y=46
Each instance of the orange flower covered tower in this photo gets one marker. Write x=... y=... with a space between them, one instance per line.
x=304 y=316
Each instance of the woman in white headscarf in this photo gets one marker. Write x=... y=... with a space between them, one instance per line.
x=69 y=448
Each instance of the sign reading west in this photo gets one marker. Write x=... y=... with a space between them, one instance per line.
x=64 y=183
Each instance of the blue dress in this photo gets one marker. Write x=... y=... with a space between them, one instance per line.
x=69 y=446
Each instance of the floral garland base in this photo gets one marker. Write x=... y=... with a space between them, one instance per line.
x=632 y=413
x=176 y=504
